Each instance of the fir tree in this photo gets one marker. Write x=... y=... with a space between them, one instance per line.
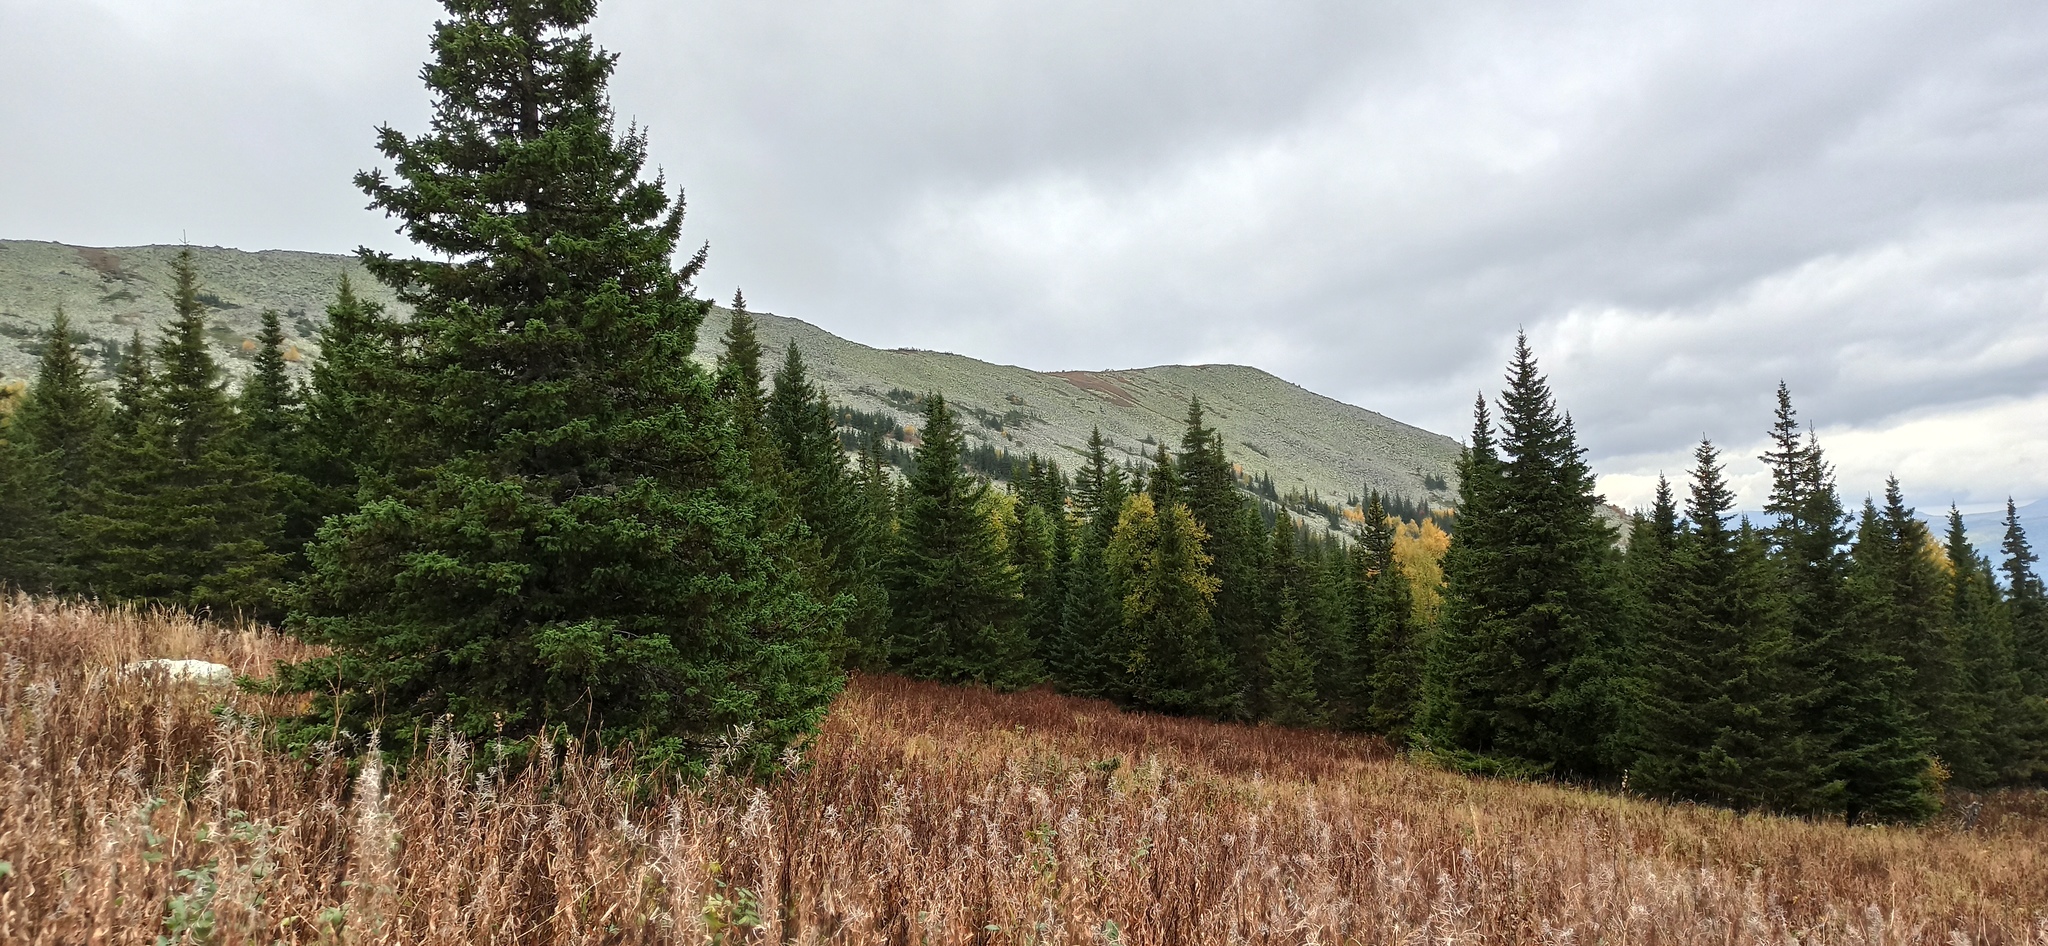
x=1231 y=522
x=1168 y=645
x=954 y=595
x=272 y=420
x=1531 y=606
x=184 y=513
x=56 y=429
x=1091 y=616
x=1711 y=720
x=1387 y=666
x=830 y=499
x=2000 y=730
x=1291 y=697
x=573 y=532
x=2026 y=605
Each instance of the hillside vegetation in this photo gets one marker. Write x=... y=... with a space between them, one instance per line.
x=1304 y=441
x=133 y=808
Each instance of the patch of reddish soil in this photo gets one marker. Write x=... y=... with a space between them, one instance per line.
x=1100 y=384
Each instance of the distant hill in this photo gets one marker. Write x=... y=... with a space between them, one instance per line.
x=1302 y=440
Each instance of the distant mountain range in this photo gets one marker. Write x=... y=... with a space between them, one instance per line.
x=1302 y=440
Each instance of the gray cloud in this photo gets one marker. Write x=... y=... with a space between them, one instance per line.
x=1682 y=203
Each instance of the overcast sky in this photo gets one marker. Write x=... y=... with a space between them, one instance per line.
x=1681 y=203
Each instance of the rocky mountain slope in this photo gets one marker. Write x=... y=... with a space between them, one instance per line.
x=1302 y=440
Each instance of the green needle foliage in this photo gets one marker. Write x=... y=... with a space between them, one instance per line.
x=53 y=435
x=563 y=526
x=958 y=614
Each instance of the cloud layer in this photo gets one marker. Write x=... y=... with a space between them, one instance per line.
x=1681 y=203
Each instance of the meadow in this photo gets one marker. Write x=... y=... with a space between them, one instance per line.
x=134 y=809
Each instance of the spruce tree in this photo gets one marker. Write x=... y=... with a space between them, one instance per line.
x=1230 y=520
x=1091 y=614
x=1387 y=644
x=1531 y=606
x=1907 y=605
x=1168 y=642
x=953 y=594
x=1881 y=752
x=1291 y=696
x=739 y=374
x=832 y=503
x=2026 y=605
x=185 y=514
x=271 y=415
x=1711 y=721
x=56 y=429
x=25 y=548
x=2001 y=730
x=354 y=390
x=571 y=530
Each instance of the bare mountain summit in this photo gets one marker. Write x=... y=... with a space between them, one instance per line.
x=1302 y=440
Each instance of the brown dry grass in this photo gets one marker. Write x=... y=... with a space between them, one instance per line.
x=132 y=808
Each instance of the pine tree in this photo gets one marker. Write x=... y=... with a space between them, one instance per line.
x=1091 y=616
x=832 y=503
x=1168 y=642
x=1532 y=604
x=56 y=429
x=572 y=531
x=954 y=595
x=1711 y=721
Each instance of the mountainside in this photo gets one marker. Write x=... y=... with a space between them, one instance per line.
x=1302 y=440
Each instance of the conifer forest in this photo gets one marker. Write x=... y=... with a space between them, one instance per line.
x=516 y=545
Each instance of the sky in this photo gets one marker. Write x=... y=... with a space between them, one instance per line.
x=1682 y=204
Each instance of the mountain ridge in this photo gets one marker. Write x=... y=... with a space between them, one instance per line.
x=1305 y=441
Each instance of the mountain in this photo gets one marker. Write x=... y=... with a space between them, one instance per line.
x=1302 y=440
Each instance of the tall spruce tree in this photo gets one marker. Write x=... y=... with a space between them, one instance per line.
x=185 y=513
x=581 y=538
x=739 y=377
x=1091 y=614
x=1387 y=645
x=55 y=429
x=830 y=499
x=272 y=421
x=1711 y=721
x=1167 y=642
x=954 y=596
x=2026 y=604
x=354 y=390
x=1292 y=698
x=1906 y=603
x=1527 y=673
x=1231 y=522
x=1881 y=751
x=2000 y=730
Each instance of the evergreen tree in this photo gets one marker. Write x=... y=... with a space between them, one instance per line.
x=1711 y=718
x=1387 y=668
x=1530 y=606
x=1230 y=520
x=56 y=429
x=2000 y=730
x=739 y=370
x=184 y=513
x=272 y=426
x=1881 y=752
x=832 y=503
x=1091 y=616
x=1907 y=605
x=575 y=534
x=1291 y=698
x=1168 y=643
x=954 y=596
x=355 y=388
x=1450 y=712
x=24 y=545
x=2026 y=605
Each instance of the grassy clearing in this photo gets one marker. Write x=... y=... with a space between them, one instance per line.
x=133 y=808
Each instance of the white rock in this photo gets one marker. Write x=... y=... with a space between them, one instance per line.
x=197 y=671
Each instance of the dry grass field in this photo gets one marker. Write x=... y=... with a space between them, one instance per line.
x=136 y=810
